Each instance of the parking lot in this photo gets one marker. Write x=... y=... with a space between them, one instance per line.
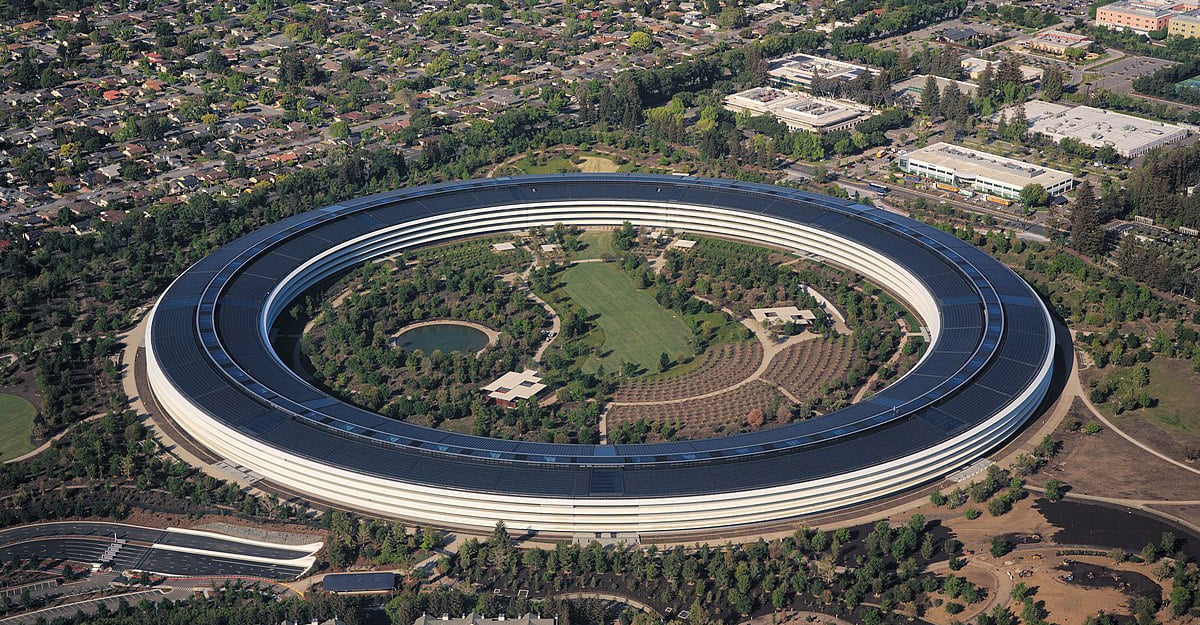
x=1118 y=76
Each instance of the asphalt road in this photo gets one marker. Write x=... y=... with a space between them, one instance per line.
x=152 y=550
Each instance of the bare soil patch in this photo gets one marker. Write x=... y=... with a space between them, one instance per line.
x=590 y=164
x=1105 y=464
x=1189 y=513
x=1074 y=601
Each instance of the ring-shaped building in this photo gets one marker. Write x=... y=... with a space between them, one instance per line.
x=213 y=371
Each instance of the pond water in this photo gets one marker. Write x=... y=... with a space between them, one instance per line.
x=448 y=337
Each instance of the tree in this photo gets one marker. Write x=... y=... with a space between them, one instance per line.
x=930 y=97
x=1034 y=195
x=955 y=106
x=1086 y=234
x=1054 y=490
x=1052 y=83
x=500 y=541
x=1018 y=125
x=1000 y=546
x=339 y=129
x=664 y=361
x=987 y=82
x=755 y=418
x=640 y=41
x=732 y=17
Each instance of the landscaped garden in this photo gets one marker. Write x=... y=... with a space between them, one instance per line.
x=652 y=329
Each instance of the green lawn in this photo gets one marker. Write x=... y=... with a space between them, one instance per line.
x=560 y=165
x=597 y=244
x=1173 y=383
x=16 y=426
x=636 y=329
x=1172 y=425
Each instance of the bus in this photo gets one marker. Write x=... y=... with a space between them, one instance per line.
x=878 y=188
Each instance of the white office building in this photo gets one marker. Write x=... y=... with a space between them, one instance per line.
x=986 y=173
x=1130 y=136
x=798 y=71
x=799 y=111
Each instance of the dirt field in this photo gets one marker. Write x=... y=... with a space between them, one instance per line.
x=1068 y=603
x=594 y=164
x=1127 y=471
x=1190 y=513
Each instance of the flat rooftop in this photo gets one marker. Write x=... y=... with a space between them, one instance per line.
x=1192 y=17
x=478 y=619
x=795 y=109
x=968 y=163
x=973 y=65
x=359 y=582
x=1059 y=38
x=1097 y=127
x=1146 y=9
x=806 y=67
x=916 y=85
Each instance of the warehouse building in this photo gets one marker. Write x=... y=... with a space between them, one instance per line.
x=979 y=171
x=798 y=111
x=1130 y=136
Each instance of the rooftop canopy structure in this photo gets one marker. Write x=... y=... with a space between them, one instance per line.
x=513 y=387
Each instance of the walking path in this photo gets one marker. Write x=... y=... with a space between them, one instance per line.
x=1075 y=386
x=53 y=439
x=862 y=391
x=770 y=350
x=607 y=596
x=521 y=281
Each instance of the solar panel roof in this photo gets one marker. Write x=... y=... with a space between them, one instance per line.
x=993 y=331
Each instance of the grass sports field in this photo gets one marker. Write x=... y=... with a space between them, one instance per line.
x=636 y=329
x=16 y=425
